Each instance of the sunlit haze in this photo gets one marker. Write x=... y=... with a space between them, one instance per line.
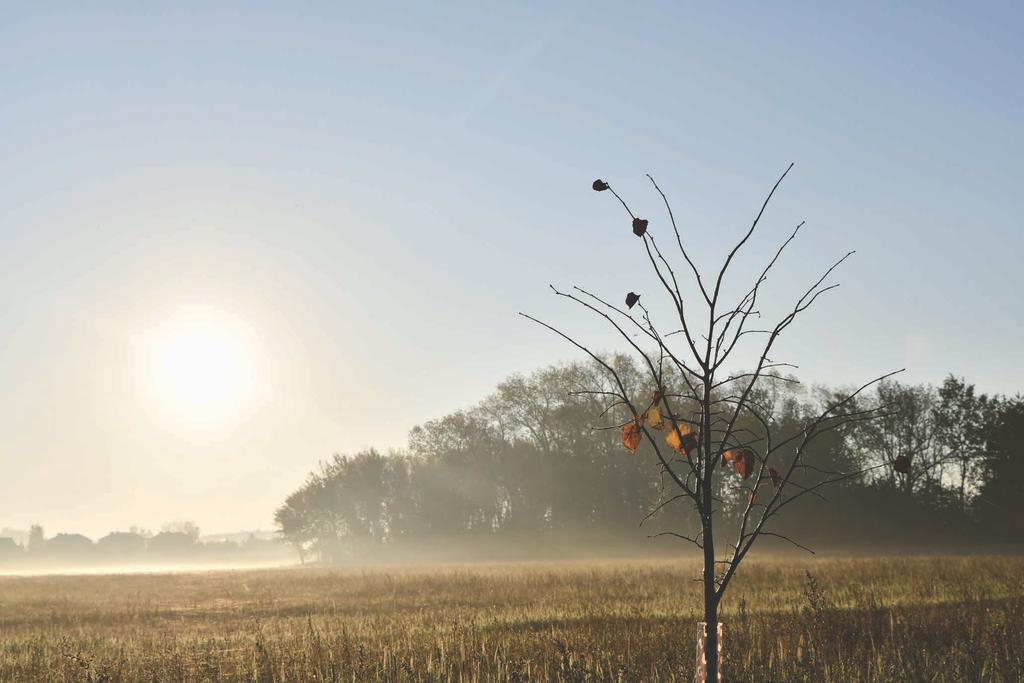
x=201 y=370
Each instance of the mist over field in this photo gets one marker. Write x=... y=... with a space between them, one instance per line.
x=528 y=474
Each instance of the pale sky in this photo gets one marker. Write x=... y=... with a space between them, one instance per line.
x=353 y=204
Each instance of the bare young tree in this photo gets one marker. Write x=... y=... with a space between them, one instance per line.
x=702 y=419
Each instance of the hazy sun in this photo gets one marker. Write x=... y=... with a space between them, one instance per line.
x=200 y=367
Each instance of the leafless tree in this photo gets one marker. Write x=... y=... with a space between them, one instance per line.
x=703 y=420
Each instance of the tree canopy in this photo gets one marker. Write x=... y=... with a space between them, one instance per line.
x=530 y=460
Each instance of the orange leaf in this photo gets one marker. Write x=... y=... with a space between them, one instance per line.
x=672 y=439
x=743 y=462
x=727 y=457
x=681 y=439
x=631 y=436
x=654 y=418
x=776 y=477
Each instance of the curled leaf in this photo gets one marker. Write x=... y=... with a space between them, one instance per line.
x=654 y=418
x=674 y=440
x=631 y=436
x=600 y=185
x=901 y=464
x=776 y=477
x=631 y=299
x=681 y=439
x=743 y=462
x=639 y=226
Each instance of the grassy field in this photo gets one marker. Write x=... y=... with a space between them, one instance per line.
x=882 y=619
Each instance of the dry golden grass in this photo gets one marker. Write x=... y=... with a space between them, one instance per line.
x=881 y=619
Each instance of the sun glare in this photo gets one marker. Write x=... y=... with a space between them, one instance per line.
x=201 y=368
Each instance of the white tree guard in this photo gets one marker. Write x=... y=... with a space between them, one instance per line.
x=702 y=673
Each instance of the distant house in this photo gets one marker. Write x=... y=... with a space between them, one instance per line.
x=20 y=536
x=8 y=548
x=167 y=544
x=122 y=545
x=69 y=545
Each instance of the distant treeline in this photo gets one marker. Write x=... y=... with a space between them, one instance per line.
x=178 y=542
x=541 y=459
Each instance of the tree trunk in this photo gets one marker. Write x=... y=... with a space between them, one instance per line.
x=963 y=484
x=708 y=539
x=710 y=607
x=711 y=641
